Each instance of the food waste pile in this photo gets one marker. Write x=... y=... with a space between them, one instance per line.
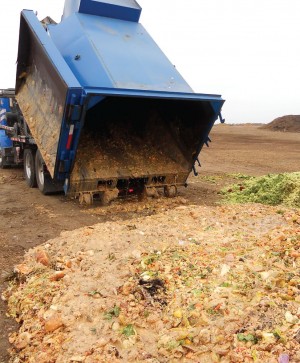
x=121 y=153
x=192 y=284
x=272 y=189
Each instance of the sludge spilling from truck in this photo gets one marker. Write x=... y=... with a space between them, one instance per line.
x=102 y=110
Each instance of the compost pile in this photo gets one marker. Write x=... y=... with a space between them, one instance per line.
x=289 y=123
x=209 y=284
x=119 y=152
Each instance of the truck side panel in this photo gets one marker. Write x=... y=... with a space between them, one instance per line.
x=45 y=88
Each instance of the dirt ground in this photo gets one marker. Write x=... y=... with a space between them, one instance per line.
x=29 y=218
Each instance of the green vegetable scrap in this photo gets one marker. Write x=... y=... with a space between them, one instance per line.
x=211 y=178
x=128 y=330
x=114 y=312
x=239 y=176
x=272 y=189
x=226 y=284
x=247 y=338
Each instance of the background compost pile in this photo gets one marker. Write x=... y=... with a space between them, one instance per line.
x=289 y=123
x=192 y=284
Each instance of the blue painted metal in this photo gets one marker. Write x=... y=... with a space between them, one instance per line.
x=222 y=120
x=98 y=51
x=5 y=141
x=117 y=9
x=49 y=48
x=65 y=157
x=103 y=52
x=216 y=100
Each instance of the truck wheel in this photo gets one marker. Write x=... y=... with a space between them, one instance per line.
x=86 y=198
x=44 y=180
x=1 y=160
x=108 y=196
x=29 y=168
x=151 y=192
x=3 y=164
x=170 y=191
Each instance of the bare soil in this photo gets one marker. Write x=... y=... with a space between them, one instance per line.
x=28 y=218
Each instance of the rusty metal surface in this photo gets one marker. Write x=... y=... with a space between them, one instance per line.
x=40 y=91
x=43 y=115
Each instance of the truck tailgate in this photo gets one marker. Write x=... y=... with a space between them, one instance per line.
x=45 y=87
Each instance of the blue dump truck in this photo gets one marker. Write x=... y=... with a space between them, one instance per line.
x=9 y=153
x=103 y=112
x=5 y=142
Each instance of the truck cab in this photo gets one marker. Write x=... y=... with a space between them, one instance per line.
x=9 y=151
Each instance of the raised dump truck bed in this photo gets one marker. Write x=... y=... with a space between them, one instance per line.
x=106 y=108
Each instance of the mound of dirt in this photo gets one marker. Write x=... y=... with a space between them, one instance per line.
x=290 y=123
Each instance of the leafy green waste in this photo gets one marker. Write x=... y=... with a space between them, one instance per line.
x=247 y=338
x=128 y=330
x=272 y=189
x=114 y=312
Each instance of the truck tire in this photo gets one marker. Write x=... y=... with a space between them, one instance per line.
x=2 y=166
x=170 y=191
x=43 y=178
x=86 y=198
x=29 y=168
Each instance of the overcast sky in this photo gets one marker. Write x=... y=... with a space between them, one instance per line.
x=248 y=51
